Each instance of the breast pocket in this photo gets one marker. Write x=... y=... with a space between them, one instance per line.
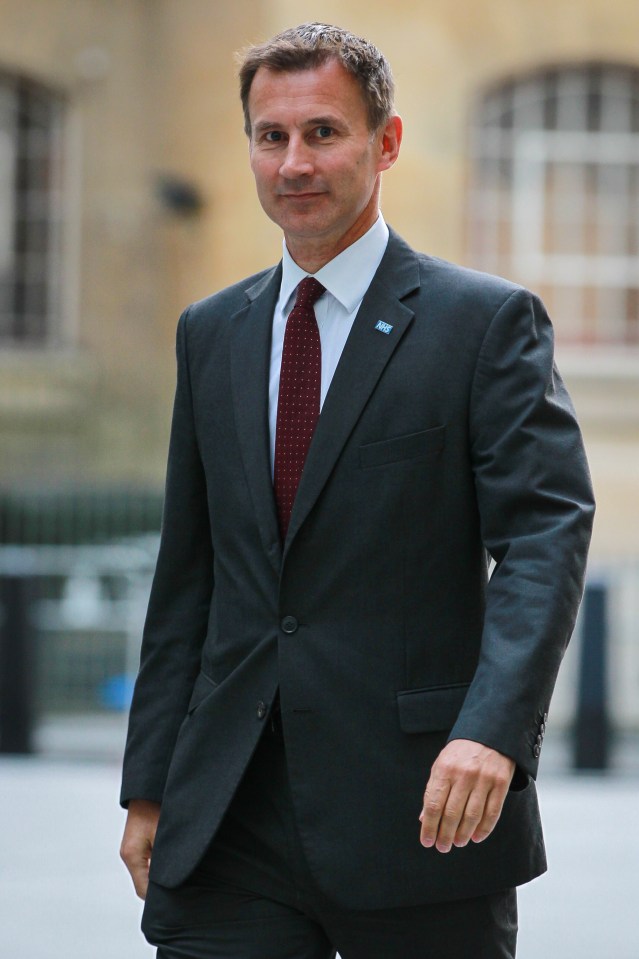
x=411 y=447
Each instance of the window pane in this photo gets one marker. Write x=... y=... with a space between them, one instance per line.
x=29 y=121
x=555 y=195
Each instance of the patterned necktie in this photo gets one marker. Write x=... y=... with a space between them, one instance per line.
x=298 y=404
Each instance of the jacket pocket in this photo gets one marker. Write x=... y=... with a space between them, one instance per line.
x=202 y=687
x=410 y=446
x=432 y=709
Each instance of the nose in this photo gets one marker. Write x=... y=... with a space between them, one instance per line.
x=297 y=161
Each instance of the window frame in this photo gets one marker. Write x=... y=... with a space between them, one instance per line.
x=34 y=215
x=524 y=129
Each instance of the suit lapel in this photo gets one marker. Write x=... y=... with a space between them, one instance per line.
x=366 y=353
x=250 y=362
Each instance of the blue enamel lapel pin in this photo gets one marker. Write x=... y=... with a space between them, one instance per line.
x=383 y=327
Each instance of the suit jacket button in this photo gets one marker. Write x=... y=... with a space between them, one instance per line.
x=289 y=625
x=536 y=750
x=262 y=710
x=540 y=740
x=545 y=717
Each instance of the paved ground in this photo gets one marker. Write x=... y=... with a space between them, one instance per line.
x=65 y=895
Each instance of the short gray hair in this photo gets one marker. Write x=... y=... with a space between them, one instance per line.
x=309 y=46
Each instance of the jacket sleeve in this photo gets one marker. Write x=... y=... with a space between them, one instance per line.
x=536 y=509
x=178 y=611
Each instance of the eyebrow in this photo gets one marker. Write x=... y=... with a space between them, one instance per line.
x=324 y=121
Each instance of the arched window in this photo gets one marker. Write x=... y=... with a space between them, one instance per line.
x=555 y=195
x=30 y=212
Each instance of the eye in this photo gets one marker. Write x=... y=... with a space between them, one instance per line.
x=324 y=132
x=273 y=136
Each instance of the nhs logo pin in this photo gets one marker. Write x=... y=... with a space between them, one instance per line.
x=383 y=327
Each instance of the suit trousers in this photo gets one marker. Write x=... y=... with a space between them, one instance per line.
x=253 y=896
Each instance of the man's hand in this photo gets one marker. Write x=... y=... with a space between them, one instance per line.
x=137 y=841
x=464 y=795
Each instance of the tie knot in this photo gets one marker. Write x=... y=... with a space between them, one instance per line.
x=308 y=291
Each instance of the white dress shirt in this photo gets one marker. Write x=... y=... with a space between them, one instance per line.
x=347 y=278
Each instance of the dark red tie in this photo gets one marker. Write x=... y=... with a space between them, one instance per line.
x=298 y=403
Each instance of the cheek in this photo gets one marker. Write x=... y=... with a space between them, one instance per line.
x=264 y=186
x=263 y=169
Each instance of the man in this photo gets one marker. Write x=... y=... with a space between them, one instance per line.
x=322 y=640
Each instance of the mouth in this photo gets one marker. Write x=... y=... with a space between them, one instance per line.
x=301 y=196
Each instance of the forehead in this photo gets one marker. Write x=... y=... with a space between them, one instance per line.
x=290 y=96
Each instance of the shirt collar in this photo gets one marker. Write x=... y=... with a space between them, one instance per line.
x=348 y=275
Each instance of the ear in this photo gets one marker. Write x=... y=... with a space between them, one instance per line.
x=390 y=142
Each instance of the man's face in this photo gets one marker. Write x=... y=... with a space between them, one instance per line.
x=315 y=161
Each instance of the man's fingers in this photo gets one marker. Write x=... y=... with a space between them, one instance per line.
x=140 y=879
x=473 y=814
x=483 y=809
x=137 y=861
x=464 y=795
x=137 y=842
x=137 y=857
x=451 y=817
x=435 y=798
x=492 y=812
x=457 y=819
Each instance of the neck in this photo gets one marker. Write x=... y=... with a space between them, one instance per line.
x=312 y=253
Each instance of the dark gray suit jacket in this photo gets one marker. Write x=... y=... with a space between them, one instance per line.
x=443 y=442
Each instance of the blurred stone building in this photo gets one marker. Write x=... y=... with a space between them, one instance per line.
x=125 y=194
